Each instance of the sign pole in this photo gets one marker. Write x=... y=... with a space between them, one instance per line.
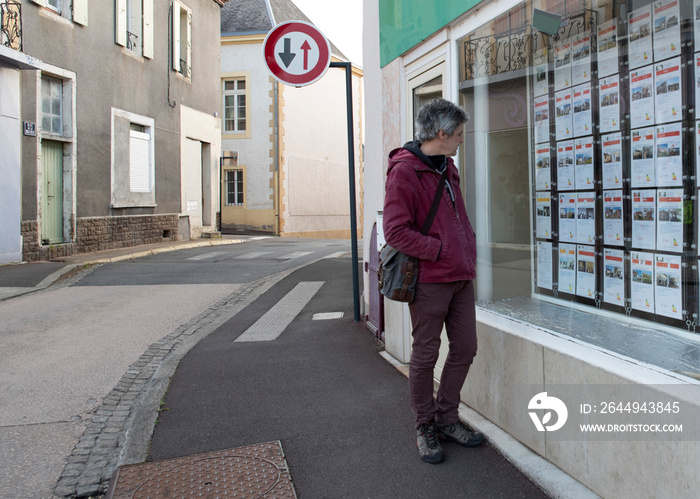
x=351 y=180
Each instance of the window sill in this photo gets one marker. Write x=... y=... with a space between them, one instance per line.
x=55 y=137
x=675 y=351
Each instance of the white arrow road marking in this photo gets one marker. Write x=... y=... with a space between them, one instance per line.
x=275 y=321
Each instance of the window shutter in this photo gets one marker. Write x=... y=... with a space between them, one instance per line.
x=120 y=22
x=176 y=36
x=148 y=28
x=43 y=3
x=189 y=44
x=80 y=12
x=139 y=171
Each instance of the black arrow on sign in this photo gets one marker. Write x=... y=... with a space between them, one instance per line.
x=287 y=56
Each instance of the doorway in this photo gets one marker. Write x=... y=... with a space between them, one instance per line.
x=52 y=198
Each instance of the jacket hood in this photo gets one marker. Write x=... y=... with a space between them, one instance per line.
x=409 y=149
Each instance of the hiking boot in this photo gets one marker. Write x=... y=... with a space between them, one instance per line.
x=429 y=448
x=458 y=432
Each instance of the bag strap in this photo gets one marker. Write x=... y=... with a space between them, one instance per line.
x=436 y=204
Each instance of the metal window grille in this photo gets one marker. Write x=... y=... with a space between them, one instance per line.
x=11 y=24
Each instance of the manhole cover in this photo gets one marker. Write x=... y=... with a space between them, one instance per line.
x=245 y=472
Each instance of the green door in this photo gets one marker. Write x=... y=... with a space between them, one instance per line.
x=52 y=198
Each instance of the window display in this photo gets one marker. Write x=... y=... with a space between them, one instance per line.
x=624 y=187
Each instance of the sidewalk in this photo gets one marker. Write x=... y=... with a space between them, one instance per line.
x=322 y=391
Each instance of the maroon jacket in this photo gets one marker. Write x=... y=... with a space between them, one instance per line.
x=448 y=252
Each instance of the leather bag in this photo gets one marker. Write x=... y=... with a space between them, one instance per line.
x=398 y=272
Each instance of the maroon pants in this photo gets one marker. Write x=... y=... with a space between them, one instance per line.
x=435 y=304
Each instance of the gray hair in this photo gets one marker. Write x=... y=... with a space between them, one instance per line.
x=436 y=115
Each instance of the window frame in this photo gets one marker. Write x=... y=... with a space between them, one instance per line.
x=179 y=39
x=230 y=134
x=124 y=126
x=122 y=23
x=242 y=193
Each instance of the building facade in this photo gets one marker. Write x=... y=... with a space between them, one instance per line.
x=285 y=166
x=121 y=139
x=579 y=171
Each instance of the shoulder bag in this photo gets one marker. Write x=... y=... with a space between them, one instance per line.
x=398 y=272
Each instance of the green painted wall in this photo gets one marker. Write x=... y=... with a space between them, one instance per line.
x=405 y=23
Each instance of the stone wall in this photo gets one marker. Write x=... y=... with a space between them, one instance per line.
x=102 y=233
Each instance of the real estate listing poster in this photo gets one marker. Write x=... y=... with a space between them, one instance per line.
x=697 y=151
x=613 y=225
x=642 y=288
x=585 y=217
x=640 y=44
x=667 y=29
x=543 y=175
x=542 y=119
x=562 y=65
x=607 y=48
x=567 y=217
x=643 y=172
x=544 y=215
x=669 y=167
x=669 y=220
x=541 y=71
x=585 y=271
x=609 y=98
x=564 y=114
x=668 y=100
x=642 y=97
x=696 y=16
x=614 y=278
x=565 y=166
x=583 y=159
x=667 y=289
x=567 y=268
x=696 y=81
x=583 y=113
x=544 y=264
x=612 y=160
x=581 y=59
x=644 y=219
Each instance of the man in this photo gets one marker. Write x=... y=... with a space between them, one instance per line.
x=446 y=269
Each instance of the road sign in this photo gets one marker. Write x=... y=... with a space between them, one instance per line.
x=296 y=53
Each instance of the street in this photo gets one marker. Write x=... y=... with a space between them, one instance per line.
x=64 y=349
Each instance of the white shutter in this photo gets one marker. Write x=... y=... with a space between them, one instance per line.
x=148 y=28
x=43 y=3
x=80 y=12
x=120 y=22
x=176 y=36
x=189 y=44
x=139 y=164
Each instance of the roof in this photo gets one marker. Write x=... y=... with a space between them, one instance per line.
x=240 y=17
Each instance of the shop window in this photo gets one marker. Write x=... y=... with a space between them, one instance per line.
x=583 y=160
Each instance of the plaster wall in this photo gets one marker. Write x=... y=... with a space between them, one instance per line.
x=10 y=187
x=315 y=189
x=254 y=148
x=108 y=75
x=513 y=354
